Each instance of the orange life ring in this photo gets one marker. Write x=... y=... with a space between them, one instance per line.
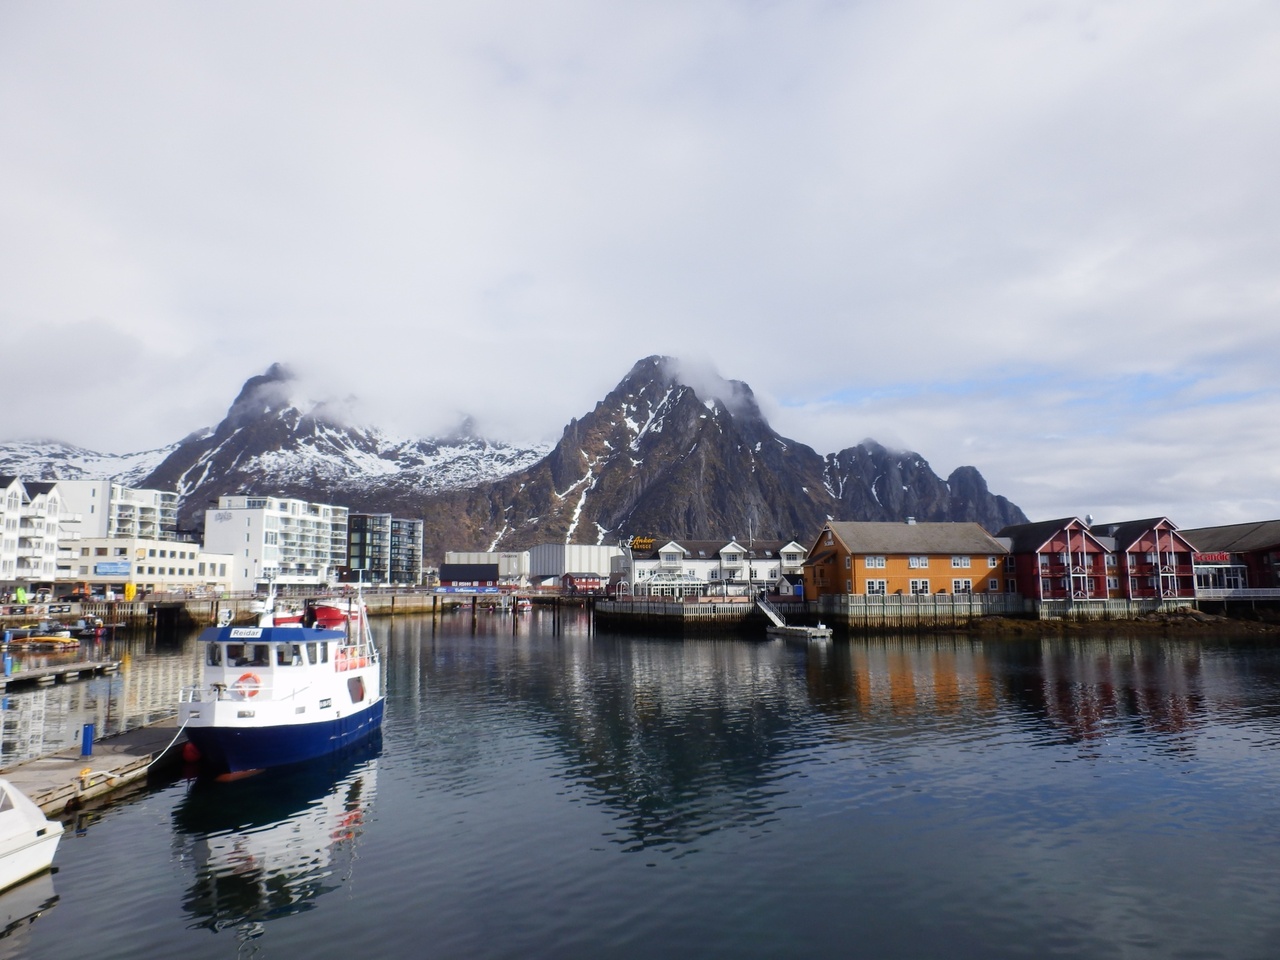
x=248 y=685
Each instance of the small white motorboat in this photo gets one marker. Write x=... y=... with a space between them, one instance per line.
x=28 y=839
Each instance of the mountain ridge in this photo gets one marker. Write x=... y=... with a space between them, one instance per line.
x=658 y=455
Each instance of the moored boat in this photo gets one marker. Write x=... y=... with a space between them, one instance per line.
x=28 y=840
x=279 y=694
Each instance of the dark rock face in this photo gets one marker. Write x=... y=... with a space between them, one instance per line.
x=656 y=456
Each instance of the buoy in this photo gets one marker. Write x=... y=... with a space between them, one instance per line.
x=190 y=752
x=248 y=685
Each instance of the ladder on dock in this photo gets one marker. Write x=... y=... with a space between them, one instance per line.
x=772 y=612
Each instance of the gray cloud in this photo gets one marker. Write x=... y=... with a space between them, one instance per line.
x=962 y=221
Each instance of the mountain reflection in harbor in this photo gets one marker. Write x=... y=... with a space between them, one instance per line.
x=268 y=846
x=547 y=790
x=681 y=739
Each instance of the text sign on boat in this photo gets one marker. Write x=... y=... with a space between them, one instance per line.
x=242 y=632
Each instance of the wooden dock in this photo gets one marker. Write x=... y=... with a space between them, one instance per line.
x=59 y=673
x=66 y=780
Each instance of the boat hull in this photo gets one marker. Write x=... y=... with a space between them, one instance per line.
x=238 y=749
x=23 y=861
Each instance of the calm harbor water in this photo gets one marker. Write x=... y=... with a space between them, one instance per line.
x=541 y=795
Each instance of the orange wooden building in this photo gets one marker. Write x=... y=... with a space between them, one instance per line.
x=905 y=558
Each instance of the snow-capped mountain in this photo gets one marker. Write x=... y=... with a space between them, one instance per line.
x=668 y=453
x=54 y=460
x=267 y=445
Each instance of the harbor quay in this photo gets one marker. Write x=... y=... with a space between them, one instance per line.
x=65 y=781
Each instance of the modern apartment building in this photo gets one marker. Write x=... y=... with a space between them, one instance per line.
x=384 y=549
x=290 y=542
x=109 y=509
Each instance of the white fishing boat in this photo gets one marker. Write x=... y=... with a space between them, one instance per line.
x=28 y=840
x=277 y=694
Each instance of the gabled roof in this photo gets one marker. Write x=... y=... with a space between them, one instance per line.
x=1128 y=532
x=1235 y=537
x=1030 y=537
x=915 y=538
x=711 y=549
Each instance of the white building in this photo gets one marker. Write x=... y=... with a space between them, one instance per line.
x=30 y=519
x=292 y=542
x=557 y=559
x=124 y=567
x=707 y=567
x=109 y=509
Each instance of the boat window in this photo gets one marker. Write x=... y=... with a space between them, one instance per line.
x=324 y=652
x=283 y=655
x=214 y=658
x=296 y=652
x=312 y=652
x=235 y=655
x=355 y=686
x=261 y=655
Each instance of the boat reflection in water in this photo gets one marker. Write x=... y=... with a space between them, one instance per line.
x=20 y=907
x=268 y=846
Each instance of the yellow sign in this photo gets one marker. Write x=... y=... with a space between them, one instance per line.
x=130 y=592
x=643 y=543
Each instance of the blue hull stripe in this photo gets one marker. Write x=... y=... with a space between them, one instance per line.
x=254 y=748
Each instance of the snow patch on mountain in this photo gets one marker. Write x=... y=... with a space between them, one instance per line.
x=55 y=460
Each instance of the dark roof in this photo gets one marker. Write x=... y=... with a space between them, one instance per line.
x=39 y=486
x=1030 y=537
x=922 y=538
x=1128 y=532
x=588 y=575
x=1235 y=537
x=468 y=572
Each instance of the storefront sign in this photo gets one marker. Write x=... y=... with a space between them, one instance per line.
x=1219 y=557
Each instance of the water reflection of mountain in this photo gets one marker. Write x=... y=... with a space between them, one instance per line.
x=682 y=738
x=676 y=739
x=270 y=845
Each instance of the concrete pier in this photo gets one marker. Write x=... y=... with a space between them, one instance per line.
x=63 y=781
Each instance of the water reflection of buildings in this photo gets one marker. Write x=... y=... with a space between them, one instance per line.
x=269 y=846
x=37 y=722
x=1078 y=687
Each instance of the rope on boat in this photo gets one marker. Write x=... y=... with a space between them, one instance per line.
x=166 y=749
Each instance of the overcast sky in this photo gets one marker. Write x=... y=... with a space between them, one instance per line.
x=1039 y=238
